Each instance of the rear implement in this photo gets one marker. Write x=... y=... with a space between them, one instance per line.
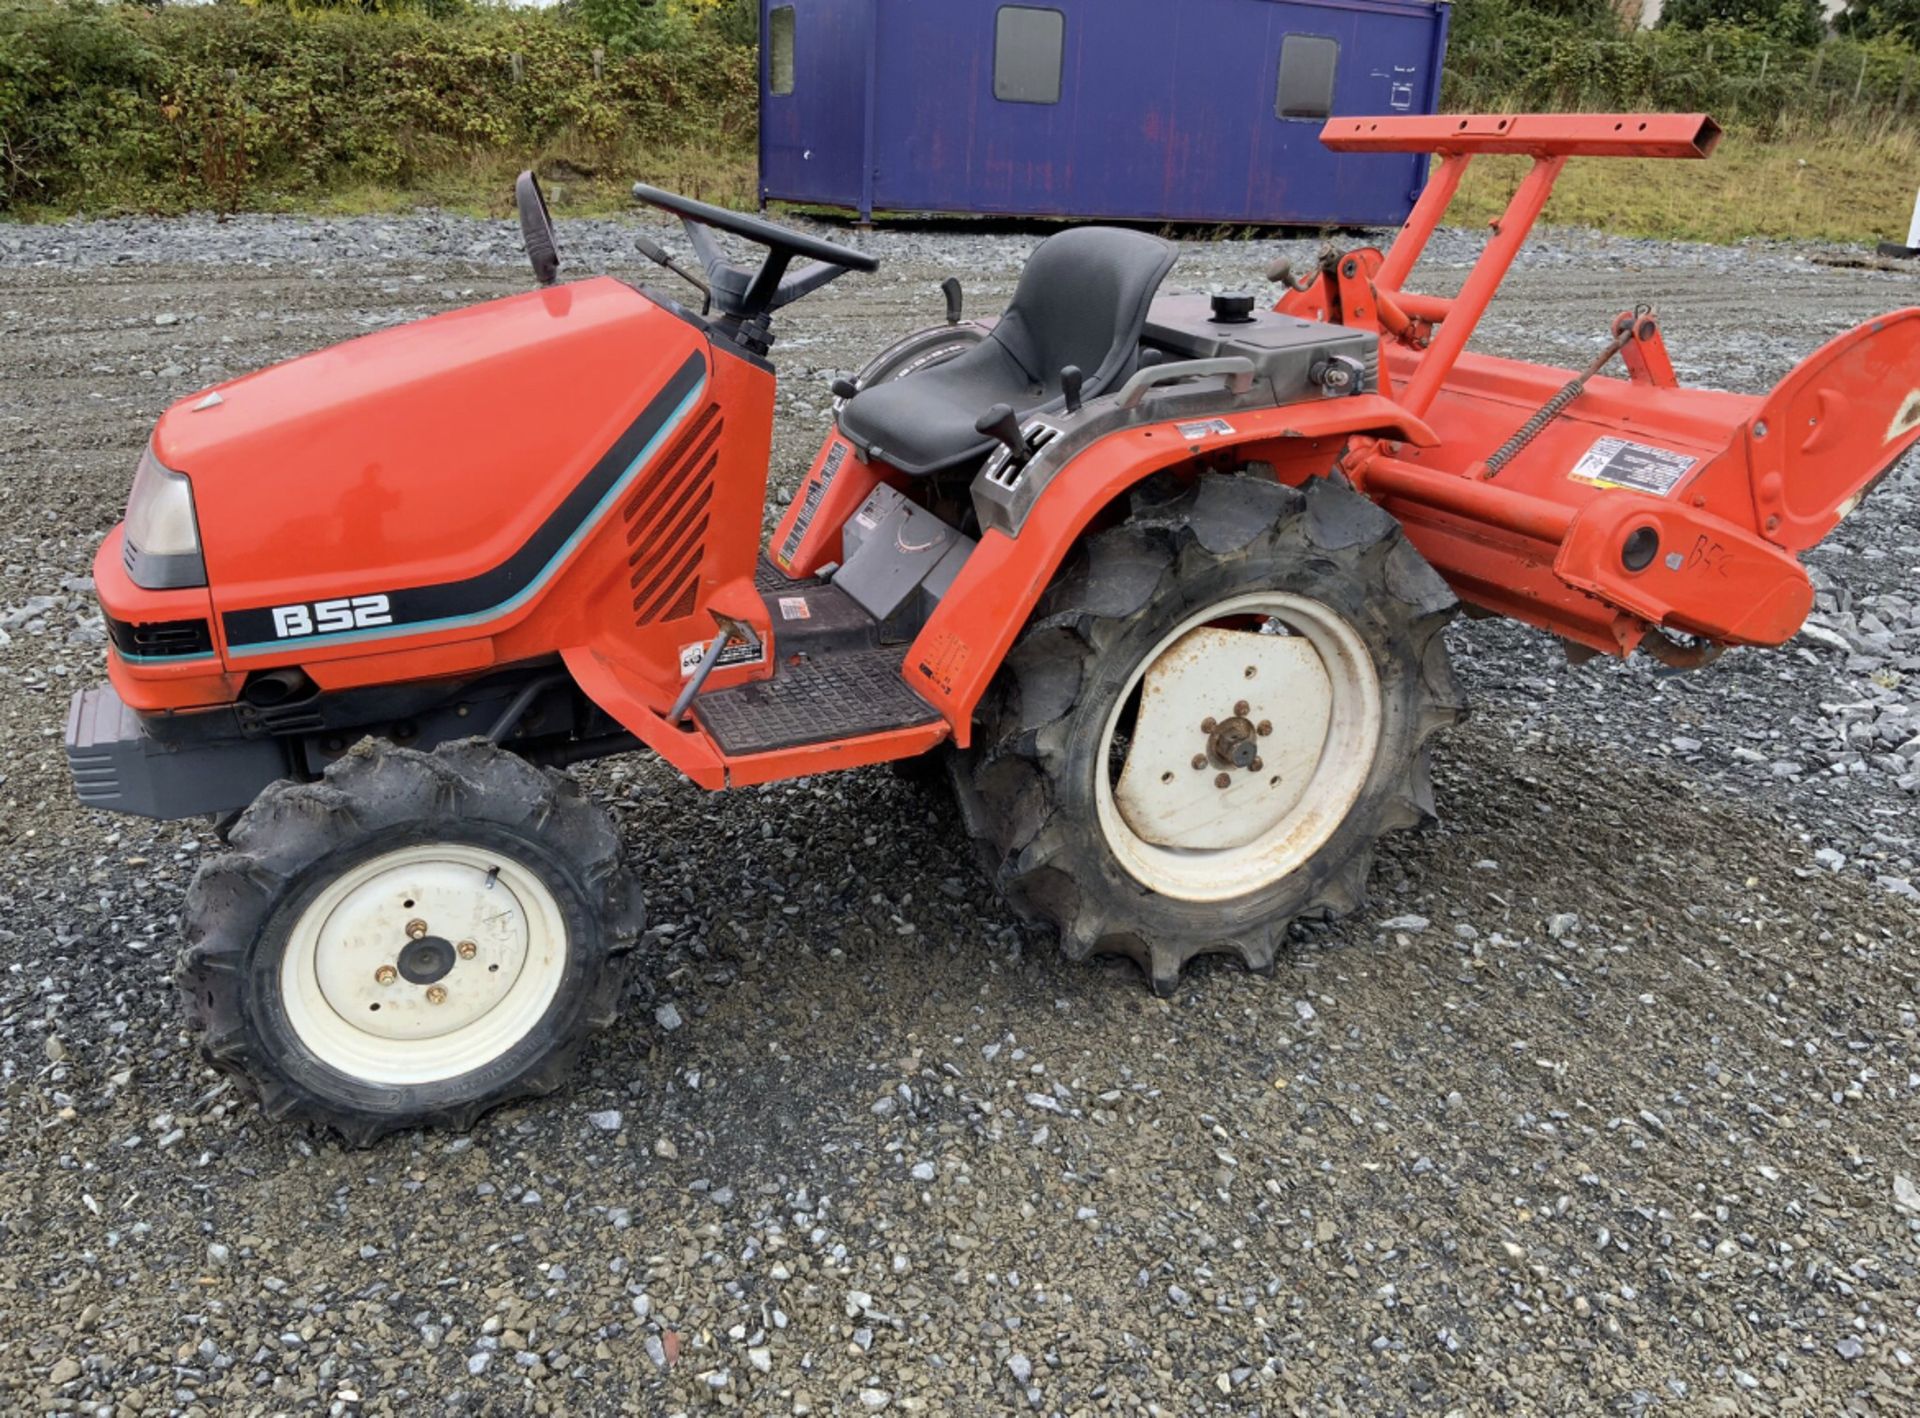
x=1615 y=512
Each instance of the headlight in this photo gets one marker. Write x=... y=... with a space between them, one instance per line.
x=162 y=538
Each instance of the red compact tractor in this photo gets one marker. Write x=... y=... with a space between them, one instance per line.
x=1163 y=579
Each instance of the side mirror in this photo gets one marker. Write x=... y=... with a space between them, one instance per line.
x=536 y=228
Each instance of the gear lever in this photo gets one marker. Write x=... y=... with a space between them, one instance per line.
x=1071 y=379
x=1003 y=423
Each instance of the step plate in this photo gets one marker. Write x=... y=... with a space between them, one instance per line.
x=837 y=696
x=769 y=579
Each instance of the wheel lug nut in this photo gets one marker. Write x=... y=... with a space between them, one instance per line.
x=467 y=949
x=1221 y=780
x=1241 y=708
x=1265 y=728
x=415 y=929
x=436 y=994
x=1207 y=726
x=1199 y=760
x=385 y=975
x=1256 y=765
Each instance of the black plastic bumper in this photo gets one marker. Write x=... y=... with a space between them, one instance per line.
x=121 y=767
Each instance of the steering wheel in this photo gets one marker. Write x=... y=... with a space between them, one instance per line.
x=744 y=294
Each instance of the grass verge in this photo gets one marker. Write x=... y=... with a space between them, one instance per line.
x=1856 y=187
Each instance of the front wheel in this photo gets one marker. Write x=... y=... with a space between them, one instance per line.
x=414 y=940
x=1211 y=718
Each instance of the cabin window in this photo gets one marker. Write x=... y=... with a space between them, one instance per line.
x=780 y=50
x=1028 y=47
x=1307 y=63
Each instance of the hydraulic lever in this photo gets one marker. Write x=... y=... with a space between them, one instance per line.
x=1071 y=382
x=657 y=254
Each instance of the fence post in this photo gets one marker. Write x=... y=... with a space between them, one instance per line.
x=1860 y=82
x=599 y=58
x=519 y=66
x=1765 y=55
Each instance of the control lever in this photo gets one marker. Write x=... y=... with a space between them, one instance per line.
x=950 y=288
x=1003 y=423
x=657 y=254
x=1071 y=380
x=1281 y=274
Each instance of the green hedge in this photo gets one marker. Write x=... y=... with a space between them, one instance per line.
x=229 y=106
x=1511 y=56
x=121 y=108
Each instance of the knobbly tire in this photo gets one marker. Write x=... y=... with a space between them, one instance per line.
x=466 y=870
x=1039 y=787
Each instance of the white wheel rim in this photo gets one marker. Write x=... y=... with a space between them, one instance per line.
x=1312 y=682
x=371 y=999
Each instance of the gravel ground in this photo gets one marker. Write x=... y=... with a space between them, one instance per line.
x=1608 y=1102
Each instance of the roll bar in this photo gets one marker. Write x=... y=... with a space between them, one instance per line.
x=1573 y=135
x=1549 y=139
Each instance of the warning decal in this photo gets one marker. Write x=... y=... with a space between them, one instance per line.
x=1202 y=427
x=1638 y=467
x=738 y=652
x=947 y=657
x=795 y=608
x=810 y=502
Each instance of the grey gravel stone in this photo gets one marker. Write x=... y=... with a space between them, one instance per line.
x=1266 y=1210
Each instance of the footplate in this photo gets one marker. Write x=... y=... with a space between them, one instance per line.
x=817 y=700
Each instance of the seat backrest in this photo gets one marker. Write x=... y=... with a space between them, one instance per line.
x=1083 y=300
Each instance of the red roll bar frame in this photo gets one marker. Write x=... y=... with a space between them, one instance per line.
x=1549 y=139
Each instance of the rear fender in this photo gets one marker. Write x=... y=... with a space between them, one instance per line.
x=958 y=651
x=1832 y=427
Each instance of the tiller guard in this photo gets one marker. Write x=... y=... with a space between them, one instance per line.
x=1606 y=510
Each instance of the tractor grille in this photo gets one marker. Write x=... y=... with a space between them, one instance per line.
x=666 y=518
x=156 y=638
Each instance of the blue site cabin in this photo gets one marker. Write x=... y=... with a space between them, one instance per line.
x=1143 y=110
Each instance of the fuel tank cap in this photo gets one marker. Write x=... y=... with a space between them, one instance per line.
x=1232 y=308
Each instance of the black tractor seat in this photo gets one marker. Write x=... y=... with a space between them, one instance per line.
x=1082 y=301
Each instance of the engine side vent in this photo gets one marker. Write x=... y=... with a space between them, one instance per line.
x=161 y=639
x=666 y=517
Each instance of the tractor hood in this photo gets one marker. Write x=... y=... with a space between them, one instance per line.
x=437 y=452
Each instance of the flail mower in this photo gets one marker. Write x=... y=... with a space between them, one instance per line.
x=1163 y=579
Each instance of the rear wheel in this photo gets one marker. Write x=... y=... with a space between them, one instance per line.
x=1213 y=715
x=414 y=940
